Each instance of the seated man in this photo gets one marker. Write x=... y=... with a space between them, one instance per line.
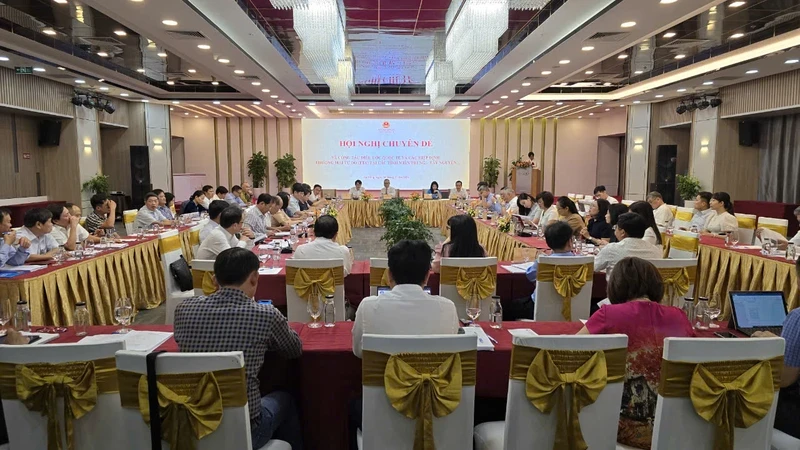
x=247 y=193
x=661 y=211
x=358 y=191
x=316 y=194
x=229 y=320
x=208 y=193
x=324 y=245
x=702 y=210
x=559 y=238
x=220 y=193
x=297 y=202
x=407 y=309
x=13 y=256
x=509 y=201
x=630 y=231
x=67 y=232
x=163 y=204
x=224 y=236
x=103 y=215
x=459 y=193
x=387 y=190
x=766 y=233
x=258 y=219
x=234 y=196
x=600 y=193
x=38 y=225
x=149 y=213
x=215 y=209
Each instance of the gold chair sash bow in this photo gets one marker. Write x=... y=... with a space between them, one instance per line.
x=748 y=223
x=378 y=276
x=471 y=282
x=421 y=386
x=310 y=283
x=684 y=243
x=684 y=216
x=568 y=281
x=677 y=281
x=547 y=374
x=204 y=280
x=780 y=229
x=190 y=405
x=729 y=394
x=169 y=244
x=194 y=237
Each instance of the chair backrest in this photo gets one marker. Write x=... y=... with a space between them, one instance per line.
x=549 y=304
x=572 y=197
x=128 y=218
x=385 y=428
x=527 y=428
x=677 y=425
x=747 y=228
x=169 y=243
x=674 y=210
x=377 y=267
x=683 y=218
x=194 y=237
x=191 y=215
x=683 y=245
x=201 y=267
x=780 y=226
x=99 y=429
x=677 y=273
x=296 y=306
x=628 y=202
x=447 y=282
x=233 y=432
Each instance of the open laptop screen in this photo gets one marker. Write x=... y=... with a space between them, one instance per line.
x=758 y=309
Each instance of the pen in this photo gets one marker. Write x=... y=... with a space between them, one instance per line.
x=492 y=339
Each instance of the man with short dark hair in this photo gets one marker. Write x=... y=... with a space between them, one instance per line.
x=298 y=199
x=229 y=320
x=149 y=213
x=103 y=214
x=220 y=193
x=459 y=193
x=67 y=231
x=316 y=194
x=257 y=218
x=407 y=309
x=208 y=193
x=630 y=231
x=233 y=197
x=14 y=256
x=38 y=225
x=324 y=245
x=559 y=238
x=661 y=211
x=163 y=204
x=358 y=191
x=214 y=210
x=600 y=193
x=224 y=237
x=702 y=210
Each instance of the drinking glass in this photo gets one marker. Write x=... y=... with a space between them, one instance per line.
x=5 y=312
x=314 y=308
x=276 y=257
x=59 y=256
x=140 y=233
x=123 y=310
x=714 y=308
x=262 y=257
x=88 y=245
x=474 y=310
x=734 y=240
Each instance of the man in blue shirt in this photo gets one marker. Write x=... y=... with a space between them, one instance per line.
x=9 y=254
x=234 y=196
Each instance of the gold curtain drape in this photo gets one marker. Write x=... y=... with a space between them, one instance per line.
x=728 y=394
x=547 y=374
x=421 y=386
x=471 y=282
x=568 y=281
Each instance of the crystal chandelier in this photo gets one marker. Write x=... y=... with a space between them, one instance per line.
x=472 y=33
x=342 y=85
x=439 y=82
x=527 y=4
x=320 y=27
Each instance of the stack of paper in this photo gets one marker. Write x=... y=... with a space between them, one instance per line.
x=269 y=271
x=25 y=268
x=483 y=340
x=522 y=332
x=518 y=268
x=138 y=341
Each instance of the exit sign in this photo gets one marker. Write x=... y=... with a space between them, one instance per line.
x=23 y=70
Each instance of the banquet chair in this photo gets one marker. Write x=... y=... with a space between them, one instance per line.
x=308 y=276
x=628 y=202
x=680 y=276
x=232 y=428
x=783 y=441
x=683 y=245
x=677 y=423
x=383 y=427
x=462 y=278
x=191 y=215
x=203 y=276
x=747 y=228
x=194 y=237
x=674 y=210
x=378 y=268
x=101 y=427
x=683 y=218
x=780 y=226
x=128 y=218
x=572 y=197
x=552 y=303
x=528 y=428
x=169 y=243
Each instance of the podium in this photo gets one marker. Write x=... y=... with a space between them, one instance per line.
x=526 y=180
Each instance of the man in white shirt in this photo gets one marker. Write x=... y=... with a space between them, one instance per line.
x=224 y=237
x=257 y=218
x=600 y=192
x=357 y=191
x=67 y=231
x=324 y=245
x=766 y=233
x=630 y=231
x=407 y=309
x=661 y=211
x=316 y=194
x=297 y=201
x=149 y=214
x=208 y=194
x=459 y=193
x=220 y=193
x=214 y=210
x=702 y=210
x=38 y=225
x=388 y=190
x=510 y=205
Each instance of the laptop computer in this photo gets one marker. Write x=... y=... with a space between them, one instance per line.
x=758 y=311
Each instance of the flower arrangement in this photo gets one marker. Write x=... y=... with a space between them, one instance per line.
x=415 y=196
x=504 y=224
x=521 y=164
x=333 y=212
x=366 y=196
x=471 y=212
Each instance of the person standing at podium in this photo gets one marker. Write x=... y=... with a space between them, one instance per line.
x=531 y=156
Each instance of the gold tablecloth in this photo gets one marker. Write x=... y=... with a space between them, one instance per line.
x=365 y=214
x=501 y=245
x=186 y=246
x=133 y=272
x=345 y=226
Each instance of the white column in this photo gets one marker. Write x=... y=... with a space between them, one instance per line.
x=158 y=139
x=88 y=149
x=704 y=142
x=638 y=144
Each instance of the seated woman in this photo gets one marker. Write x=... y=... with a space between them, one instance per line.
x=652 y=234
x=434 y=191
x=635 y=289
x=463 y=241
x=568 y=212
x=195 y=203
x=722 y=220
x=612 y=216
x=597 y=229
x=528 y=207
x=549 y=212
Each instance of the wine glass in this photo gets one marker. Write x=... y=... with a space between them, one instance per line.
x=714 y=308
x=474 y=309
x=123 y=310
x=140 y=233
x=313 y=306
x=734 y=239
x=262 y=257
x=59 y=256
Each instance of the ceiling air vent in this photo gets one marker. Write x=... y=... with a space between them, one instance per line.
x=178 y=34
x=612 y=36
x=100 y=41
x=247 y=77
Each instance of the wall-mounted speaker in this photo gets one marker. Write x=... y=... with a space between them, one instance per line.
x=140 y=174
x=748 y=133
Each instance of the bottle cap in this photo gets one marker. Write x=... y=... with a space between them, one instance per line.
x=22 y=302
x=329 y=296
x=80 y=304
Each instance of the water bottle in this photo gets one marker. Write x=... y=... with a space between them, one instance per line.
x=791 y=252
x=702 y=319
x=497 y=313
x=688 y=307
x=81 y=319
x=329 y=312
x=22 y=316
x=540 y=231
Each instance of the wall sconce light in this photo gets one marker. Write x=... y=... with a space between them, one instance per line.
x=638 y=147
x=158 y=148
x=87 y=150
x=704 y=149
x=704 y=142
x=157 y=141
x=87 y=141
x=638 y=141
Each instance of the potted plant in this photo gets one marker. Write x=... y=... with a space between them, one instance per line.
x=688 y=188
x=405 y=228
x=257 y=169
x=285 y=171
x=97 y=184
x=394 y=209
x=491 y=171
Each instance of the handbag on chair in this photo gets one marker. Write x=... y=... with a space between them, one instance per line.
x=182 y=275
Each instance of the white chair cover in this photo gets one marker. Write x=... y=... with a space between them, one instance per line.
x=170 y=254
x=382 y=263
x=549 y=302
x=451 y=292
x=129 y=218
x=687 y=224
x=628 y=202
x=526 y=428
x=203 y=265
x=678 y=426
x=197 y=229
x=296 y=307
x=774 y=222
x=386 y=429
x=673 y=264
x=100 y=429
x=782 y=441
x=675 y=253
x=746 y=235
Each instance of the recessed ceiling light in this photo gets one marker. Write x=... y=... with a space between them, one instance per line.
x=504 y=97
x=480 y=110
x=622 y=55
x=588 y=48
x=256 y=83
x=473 y=115
x=281 y=101
x=273 y=96
x=680 y=56
x=599 y=103
x=514 y=91
x=204 y=47
x=580 y=117
x=669 y=34
x=464 y=104
x=217 y=102
x=102 y=54
x=424 y=104
x=636 y=102
x=682 y=90
x=387 y=104
x=49 y=31
x=589 y=72
x=736 y=4
x=144 y=100
x=79 y=81
x=353 y=104
x=123 y=95
x=495 y=102
x=621 y=106
x=140 y=70
x=564 y=61
x=176 y=102
x=792 y=61
x=121 y=33
x=224 y=60
x=266 y=91
x=170 y=82
x=591 y=114
x=256 y=103
x=659 y=95
x=546 y=72
x=294 y=110
x=39 y=69
x=708 y=83
x=162 y=54
x=103 y=88
x=215 y=83
x=370 y=109
x=608 y=109
x=638 y=72
x=169 y=22
x=196 y=117
x=339 y=109
x=667 y=2
x=192 y=71
x=401 y=109
x=736 y=35
x=628 y=24
x=312 y=104
x=607 y=83
x=520 y=103
x=239 y=72
x=751 y=71
x=186 y=114
x=61 y=2
x=59 y=67
x=526 y=84
x=431 y=109
x=559 y=104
